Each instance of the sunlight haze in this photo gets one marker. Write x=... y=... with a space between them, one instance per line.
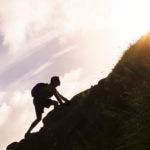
x=80 y=41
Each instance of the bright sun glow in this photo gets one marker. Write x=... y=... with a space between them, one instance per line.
x=131 y=17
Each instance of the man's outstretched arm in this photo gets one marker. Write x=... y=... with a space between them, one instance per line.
x=62 y=97
x=58 y=97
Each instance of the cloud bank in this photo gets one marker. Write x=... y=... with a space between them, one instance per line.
x=28 y=22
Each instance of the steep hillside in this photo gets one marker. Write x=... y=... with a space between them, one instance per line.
x=112 y=115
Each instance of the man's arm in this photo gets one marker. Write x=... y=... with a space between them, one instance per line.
x=62 y=97
x=58 y=97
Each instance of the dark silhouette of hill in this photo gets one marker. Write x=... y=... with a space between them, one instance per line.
x=112 y=115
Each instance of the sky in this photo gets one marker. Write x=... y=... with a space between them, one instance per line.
x=78 y=40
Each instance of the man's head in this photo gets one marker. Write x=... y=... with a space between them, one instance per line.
x=55 y=81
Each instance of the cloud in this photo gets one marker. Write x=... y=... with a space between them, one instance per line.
x=75 y=81
x=70 y=83
x=16 y=115
x=24 y=21
x=29 y=68
x=41 y=68
x=2 y=94
x=26 y=78
x=5 y=111
x=62 y=52
x=28 y=22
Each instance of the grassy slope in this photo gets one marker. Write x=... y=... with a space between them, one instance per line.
x=112 y=115
x=132 y=75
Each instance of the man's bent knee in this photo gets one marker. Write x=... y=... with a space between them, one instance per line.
x=54 y=103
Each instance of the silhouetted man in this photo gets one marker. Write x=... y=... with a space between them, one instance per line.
x=41 y=94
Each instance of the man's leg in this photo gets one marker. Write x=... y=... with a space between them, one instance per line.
x=39 y=109
x=35 y=122
x=54 y=103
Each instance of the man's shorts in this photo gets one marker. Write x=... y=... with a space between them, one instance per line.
x=39 y=105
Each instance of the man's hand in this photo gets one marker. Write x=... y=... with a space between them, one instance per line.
x=67 y=102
